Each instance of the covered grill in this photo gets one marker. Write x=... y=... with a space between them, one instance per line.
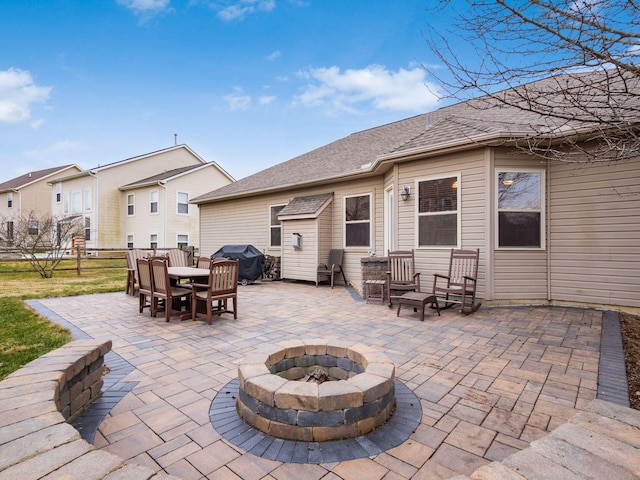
x=250 y=261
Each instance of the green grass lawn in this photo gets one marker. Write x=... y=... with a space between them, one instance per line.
x=25 y=335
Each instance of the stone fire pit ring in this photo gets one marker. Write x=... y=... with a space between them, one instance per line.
x=358 y=398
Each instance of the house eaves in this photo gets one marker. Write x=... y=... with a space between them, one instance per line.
x=30 y=178
x=99 y=168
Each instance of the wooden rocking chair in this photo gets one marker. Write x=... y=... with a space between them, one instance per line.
x=459 y=287
x=401 y=275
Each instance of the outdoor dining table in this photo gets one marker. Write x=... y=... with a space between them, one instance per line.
x=189 y=273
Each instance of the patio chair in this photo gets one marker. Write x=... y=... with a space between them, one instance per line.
x=221 y=286
x=178 y=258
x=145 y=291
x=203 y=262
x=459 y=286
x=333 y=266
x=401 y=276
x=132 y=269
x=174 y=297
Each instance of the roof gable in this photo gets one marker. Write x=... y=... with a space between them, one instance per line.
x=32 y=177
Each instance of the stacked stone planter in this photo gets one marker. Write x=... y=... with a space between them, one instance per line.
x=274 y=400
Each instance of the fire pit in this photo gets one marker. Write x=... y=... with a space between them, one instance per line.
x=316 y=390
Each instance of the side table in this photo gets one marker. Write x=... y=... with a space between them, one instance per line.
x=374 y=296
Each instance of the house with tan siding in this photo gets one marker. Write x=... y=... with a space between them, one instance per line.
x=141 y=201
x=30 y=193
x=549 y=231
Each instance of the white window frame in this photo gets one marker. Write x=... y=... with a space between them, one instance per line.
x=130 y=240
x=157 y=201
x=272 y=226
x=87 y=200
x=353 y=222
x=540 y=210
x=131 y=204
x=178 y=203
x=66 y=202
x=87 y=228
x=33 y=227
x=151 y=241
x=76 y=201
x=178 y=242
x=9 y=199
x=458 y=180
x=58 y=192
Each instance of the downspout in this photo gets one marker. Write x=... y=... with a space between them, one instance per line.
x=163 y=184
x=95 y=207
x=547 y=207
x=395 y=228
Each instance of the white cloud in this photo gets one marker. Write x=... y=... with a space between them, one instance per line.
x=238 y=100
x=237 y=10
x=146 y=8
x=371 y=87
x=54 y=150
x=274 y=55
x=266 y=99
x=17 y=94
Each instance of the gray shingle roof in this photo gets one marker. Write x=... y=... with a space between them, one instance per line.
x=160 y=176
x=307 y=205
x=481 y=120
x=30 y=177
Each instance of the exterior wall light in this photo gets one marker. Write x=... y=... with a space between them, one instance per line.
x=405 y=192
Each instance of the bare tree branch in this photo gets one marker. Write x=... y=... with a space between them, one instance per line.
x=42 y=239
x=572 y=62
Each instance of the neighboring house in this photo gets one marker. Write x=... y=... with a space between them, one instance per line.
x=547 y=231
x=140 y=202
x=30 y=193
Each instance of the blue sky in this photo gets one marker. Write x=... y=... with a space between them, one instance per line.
x=245 y=83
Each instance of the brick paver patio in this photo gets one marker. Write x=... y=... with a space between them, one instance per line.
x=488 y=384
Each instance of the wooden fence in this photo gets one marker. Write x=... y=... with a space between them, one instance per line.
x=83 y=259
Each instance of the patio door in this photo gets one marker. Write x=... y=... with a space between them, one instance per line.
x=389 y=220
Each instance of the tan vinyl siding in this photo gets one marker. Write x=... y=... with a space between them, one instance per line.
x=470 y=167
x=324 y=235
x=300 y=264
x=518 y=274
x=595 y=233
x=246 y=221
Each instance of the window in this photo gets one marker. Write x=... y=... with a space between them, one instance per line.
x=153 y=241
x=129 y=241
x=87 y=200
x=357 y=219
x=275 y=229
x=10 y=231
x=131 y=204
x=153 y=201
x=520 y=207
x=65 y=206
x=32 y=227
x=87 y=228
x=183 y=241
x=438 y=215
x=183 y=202
x=10 y=199
x=76 y=202
x=58 y=192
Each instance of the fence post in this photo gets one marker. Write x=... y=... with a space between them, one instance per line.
x=78 y=260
